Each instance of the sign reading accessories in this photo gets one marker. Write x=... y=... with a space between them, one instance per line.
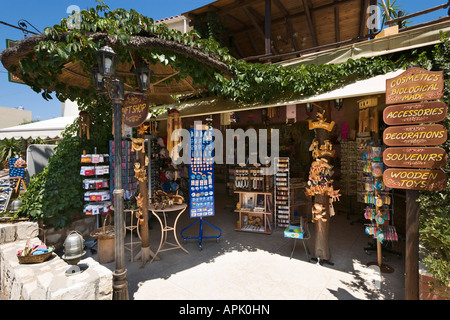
x=414 y=153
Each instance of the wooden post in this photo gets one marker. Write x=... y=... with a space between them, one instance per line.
x=322 y=227
x=412 y=246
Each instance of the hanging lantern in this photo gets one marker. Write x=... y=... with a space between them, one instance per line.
x=97 y=79
x=107 y=61
x=143 y=74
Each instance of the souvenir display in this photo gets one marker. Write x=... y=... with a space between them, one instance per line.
x=282 y=193
x=377 y=196
x=5 y=194
x=97 y=195
x=201 y=174
x=129 y=181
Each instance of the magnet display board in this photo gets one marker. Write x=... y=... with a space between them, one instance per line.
x=201 y=174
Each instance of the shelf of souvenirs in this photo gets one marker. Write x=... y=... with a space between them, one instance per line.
x=96 y=208
x=95 y=158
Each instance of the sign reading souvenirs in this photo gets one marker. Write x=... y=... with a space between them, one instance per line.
x=418 y=135
x=415 y=84
x=415 y=113
x=135 y=110
x=415 y=157
x=415 y=179
x=417 y=142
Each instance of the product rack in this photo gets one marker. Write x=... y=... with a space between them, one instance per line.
x=282 y=192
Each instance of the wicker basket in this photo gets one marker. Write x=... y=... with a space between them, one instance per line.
x=105 y=232
x=37 y=258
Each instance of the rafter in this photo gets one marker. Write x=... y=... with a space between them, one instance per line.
x=309 y=19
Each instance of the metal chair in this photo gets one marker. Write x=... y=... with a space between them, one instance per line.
x=306 y=236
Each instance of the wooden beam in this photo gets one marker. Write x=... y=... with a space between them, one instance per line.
x=363 y=15
x=267 y=26
x=288 y=23
x=252 y=41
x=309 y=19
x=337 y=30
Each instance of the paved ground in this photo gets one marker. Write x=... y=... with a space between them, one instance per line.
x=258 y=267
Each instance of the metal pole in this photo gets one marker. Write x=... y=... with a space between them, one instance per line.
x=120 y=284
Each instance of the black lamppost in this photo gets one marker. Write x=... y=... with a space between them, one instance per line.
x=104 y=79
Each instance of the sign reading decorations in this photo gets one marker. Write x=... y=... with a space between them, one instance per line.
x=415 y=113
x=419 y=135
x=135 y=110
x=415 y=84
x=416 y=142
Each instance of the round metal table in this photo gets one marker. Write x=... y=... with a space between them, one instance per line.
x=165 y=228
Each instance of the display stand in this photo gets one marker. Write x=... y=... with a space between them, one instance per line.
x=282 y=204
x=200 y=233
x=201 y=180
x=98 y=197
x=378 y=204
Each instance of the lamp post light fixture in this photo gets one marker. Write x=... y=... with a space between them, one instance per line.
x=143 y=74
x=104 y=79
x=106 y=61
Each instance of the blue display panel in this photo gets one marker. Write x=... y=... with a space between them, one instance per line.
x=201 y=174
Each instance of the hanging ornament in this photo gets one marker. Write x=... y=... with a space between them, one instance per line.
x=173 y=123
x=83 y=124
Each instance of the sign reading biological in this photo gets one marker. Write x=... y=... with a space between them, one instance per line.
x=415 y=84
x=415 y=157
x=415 y=113
x=415 y=179
x=415 y=153
x=135 y=110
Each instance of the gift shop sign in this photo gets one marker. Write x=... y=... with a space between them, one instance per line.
x=415 y=84
x=415 y=179
x=135 y=110
x=415 y=157
x=415 y=113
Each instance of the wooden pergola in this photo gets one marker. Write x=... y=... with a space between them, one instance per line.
x=274 y=30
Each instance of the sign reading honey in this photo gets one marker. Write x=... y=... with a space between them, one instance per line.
x=135 y=110
x=415 y=157
x=415 y=113
x=415 y=84
x=415 y=179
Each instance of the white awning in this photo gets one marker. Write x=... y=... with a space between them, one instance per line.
x=51 y=128
x=213 y=105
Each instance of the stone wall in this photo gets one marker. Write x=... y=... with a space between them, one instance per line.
x=47 y=280
x=425 y=292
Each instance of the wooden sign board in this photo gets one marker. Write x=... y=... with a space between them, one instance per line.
x=415 y=84
x=415 y=113
x=415 y=157
x=418 y=135
x=320 y=125
x=415 y=179
x=135 y=110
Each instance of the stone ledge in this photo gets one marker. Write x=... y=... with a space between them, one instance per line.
x=47 y=280
x=10 y=232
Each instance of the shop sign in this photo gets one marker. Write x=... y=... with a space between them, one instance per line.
x=321 y=124
x=418 y=135
x=11 y=76
x=135 y=110
x=415 y=113
x=415 y=157
x=415 y=179
x=415 y=84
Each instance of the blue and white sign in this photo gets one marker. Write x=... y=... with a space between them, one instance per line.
x=201 y=173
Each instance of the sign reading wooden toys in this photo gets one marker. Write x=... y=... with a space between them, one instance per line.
x=414 y=134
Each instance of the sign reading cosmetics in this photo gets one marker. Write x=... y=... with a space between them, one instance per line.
x=415 y=142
